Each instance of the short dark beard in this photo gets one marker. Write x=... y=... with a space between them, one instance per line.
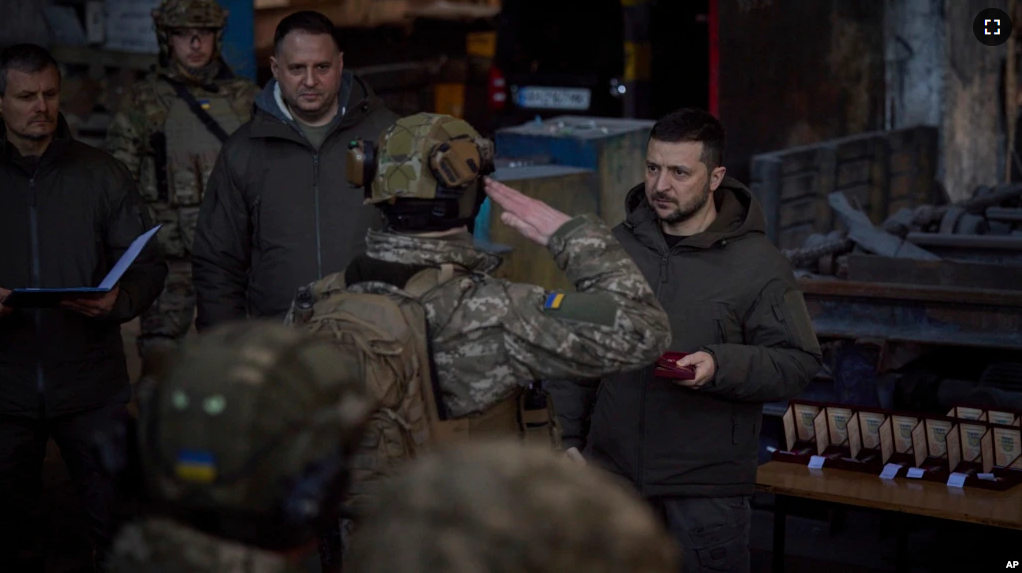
x=681 y=215
x=33 y=136
x=309 y=117
x=201 y=75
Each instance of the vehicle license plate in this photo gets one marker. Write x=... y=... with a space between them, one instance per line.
x=554 y=98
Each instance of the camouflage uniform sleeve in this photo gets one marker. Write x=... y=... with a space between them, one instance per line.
x=244 y=96
x=613 y=323
x=124 y=139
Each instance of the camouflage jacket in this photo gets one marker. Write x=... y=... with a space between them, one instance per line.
x=164 y=545
x=189 y=150
x=489 y=333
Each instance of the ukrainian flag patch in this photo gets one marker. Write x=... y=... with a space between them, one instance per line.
x=195 y=466
x=204 y=104
x=553 y=300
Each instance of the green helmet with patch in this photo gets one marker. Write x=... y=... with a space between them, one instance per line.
x=424 y=171
x=253 y=423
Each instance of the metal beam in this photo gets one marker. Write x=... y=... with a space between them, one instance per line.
x=1005 y=214
x=1003 y=249
x=913 y=313
x=947 y=273
x=999 y=242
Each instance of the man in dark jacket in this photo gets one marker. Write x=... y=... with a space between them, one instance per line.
x=690 y=446
x=276 y=214
x=69 y=212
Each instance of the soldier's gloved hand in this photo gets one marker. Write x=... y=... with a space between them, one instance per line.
x=534 y=219
x=4 y=310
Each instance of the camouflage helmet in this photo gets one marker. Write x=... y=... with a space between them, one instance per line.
x=171 y=14
x=487 y=506
x=430 y=161
x=252 y=423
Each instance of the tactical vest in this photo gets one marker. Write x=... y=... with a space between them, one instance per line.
x=191 y=150
x=179 y=153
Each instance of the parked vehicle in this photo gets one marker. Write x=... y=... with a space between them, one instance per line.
x=555 y=58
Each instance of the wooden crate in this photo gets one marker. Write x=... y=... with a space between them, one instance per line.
x=615 y=149
x=569 y=189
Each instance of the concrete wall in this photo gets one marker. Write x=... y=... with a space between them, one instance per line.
x=801 y=72
x=974 y=137
x=914 y=53
x=798 y=72
x=938 y=74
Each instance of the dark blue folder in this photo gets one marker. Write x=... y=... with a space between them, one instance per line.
x=50 y=297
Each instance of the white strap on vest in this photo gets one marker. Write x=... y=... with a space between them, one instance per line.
x=446 y=273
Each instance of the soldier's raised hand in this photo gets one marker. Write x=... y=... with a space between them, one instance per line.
x=534 y=219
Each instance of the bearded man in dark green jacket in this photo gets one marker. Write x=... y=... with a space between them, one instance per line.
x=691 y=446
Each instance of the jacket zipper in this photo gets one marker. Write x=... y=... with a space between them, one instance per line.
x=33 y=222
x=315 y=186
x=639 y=477
x=315 y=189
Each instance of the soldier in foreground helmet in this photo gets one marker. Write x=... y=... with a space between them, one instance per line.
x=243 y=445
x=168 y=133
x=506 y=508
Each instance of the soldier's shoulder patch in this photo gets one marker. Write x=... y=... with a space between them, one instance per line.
x=594 y=308
x=553 y=300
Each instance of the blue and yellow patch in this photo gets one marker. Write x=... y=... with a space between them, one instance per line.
x=195 y=466
x=554 y=300
x=204 y=103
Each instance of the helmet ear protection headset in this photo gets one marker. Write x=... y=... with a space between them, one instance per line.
x=455 y=164
x=362 y=164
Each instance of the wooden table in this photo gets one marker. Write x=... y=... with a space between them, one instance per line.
x=905 y=496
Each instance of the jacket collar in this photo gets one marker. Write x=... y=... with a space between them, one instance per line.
x=62 y=139
x=458 y=249
x=739 y=214
x=272 y=120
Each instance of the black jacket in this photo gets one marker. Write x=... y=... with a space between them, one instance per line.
x=277 y=213
x=728 y=291
x=65 y=219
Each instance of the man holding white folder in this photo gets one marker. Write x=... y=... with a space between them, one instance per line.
x=68 y=214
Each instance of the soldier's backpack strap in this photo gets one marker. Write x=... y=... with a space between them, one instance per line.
x=419 y=286
x=196 y=107
x=158 y=143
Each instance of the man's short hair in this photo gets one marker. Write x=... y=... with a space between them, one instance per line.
x=485 y=507
x=688 y=124
x=27 y=58
x=308 y=21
